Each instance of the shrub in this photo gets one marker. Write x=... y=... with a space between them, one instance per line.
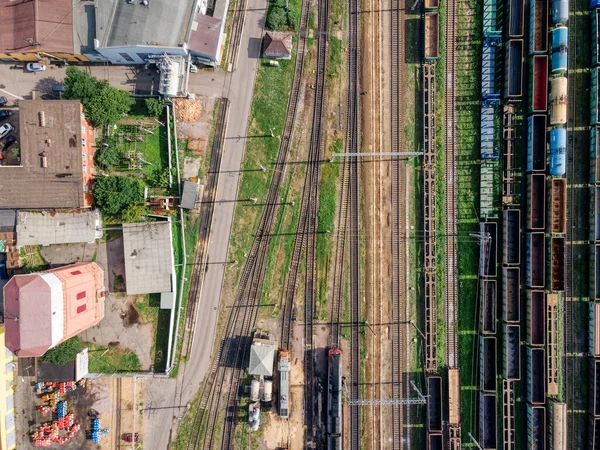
x=154 y=107
x=64 y=353
x=277 y=18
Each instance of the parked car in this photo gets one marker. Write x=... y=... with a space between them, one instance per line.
x=5 y=129
x=5 y=114
x=131 y=437
x=35 y=67
x=7 y=141
x=3 y=101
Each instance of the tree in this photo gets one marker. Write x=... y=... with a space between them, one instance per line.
x=108 y=157
x=293 y=17
x=108 y=106
x=64 y=353
x=154 y=107
x=81 y=85
x=277 y=18
x=114 y=194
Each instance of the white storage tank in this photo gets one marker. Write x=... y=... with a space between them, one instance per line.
x=254 y=390
x=268 y=391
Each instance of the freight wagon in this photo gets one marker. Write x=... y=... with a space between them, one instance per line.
x=595 y=99
x=596 y=37
x=434 y=405
x=513 y=79
x=511 y=361
x=334 y=394
x=536 y=201
x=511 y=301
x=538 y=81
x=516 y=18
x=536 y=427
x=431 y=35
x=557 y=424
x=536 y=376
x=536 y=143
x=558 y=216
x=538 y=26
x=487 y=421
x=487 y=363
x=595 y=155
x=511 y=226
x=594 y=330
x=536 y=260
x=557 y=264
x=488 y=306
x=536 y=318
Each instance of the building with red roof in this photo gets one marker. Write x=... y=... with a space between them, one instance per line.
x=43 y=309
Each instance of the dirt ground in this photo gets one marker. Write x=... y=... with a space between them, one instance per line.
x=115 y=400
x=195 y=121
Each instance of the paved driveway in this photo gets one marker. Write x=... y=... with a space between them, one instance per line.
x=16 y=83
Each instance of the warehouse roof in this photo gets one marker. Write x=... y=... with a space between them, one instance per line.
x=38 y=24
x=205 y=35
x=149 y=261
x=161 y=22
x=60 y=184
x=261 y=359
x=37 y=228
x=189 y=195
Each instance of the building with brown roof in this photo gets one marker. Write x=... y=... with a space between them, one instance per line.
x=37 y=29
x=277 y=44
x=57 y=158
x=41 y=310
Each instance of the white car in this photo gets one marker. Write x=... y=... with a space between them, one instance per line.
x=5 y=129
x=36 y=67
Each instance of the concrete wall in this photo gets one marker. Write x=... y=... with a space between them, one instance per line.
x=7 y=410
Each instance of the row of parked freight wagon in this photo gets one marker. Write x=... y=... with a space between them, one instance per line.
x=538 y=221
x=594 y=306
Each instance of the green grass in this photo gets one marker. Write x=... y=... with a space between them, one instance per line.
x=112 y=359
x=334 y=67
x=269 y=106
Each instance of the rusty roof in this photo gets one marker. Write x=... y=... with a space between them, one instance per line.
x=277 y=43
x=36 y=25
x=60 y=184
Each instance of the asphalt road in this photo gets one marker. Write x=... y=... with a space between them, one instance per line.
x=167 y=400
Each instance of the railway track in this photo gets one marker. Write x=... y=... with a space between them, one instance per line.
x=574 y=425
x=222 y=383
x=353 y=146
x=398 y=172
x=206 y=214
x=451 y=205
x=237 y=28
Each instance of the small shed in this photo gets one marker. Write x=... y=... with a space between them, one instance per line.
x=277 y=44
x=189 y=196
x=262 y=357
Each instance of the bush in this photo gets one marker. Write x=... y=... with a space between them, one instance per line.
x=158 y=178
x=277 y=18
x=154 y=107
x=64 y=353
x=134 y=213
x=113 y=194
x=293 y=18
x=108 y=157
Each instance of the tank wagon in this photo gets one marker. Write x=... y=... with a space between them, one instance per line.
x=560 y=11
x=558 y=152
x=560 y=47
x=558 y=101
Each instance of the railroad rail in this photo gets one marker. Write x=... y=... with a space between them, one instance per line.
x=451 y=209
x=574 y=425
x=398 y=227
x=451 y=205
x=353 y=146
x=206 y=214
x=227 y=365
x=237 y=28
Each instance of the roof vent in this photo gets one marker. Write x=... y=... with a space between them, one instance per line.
x=42 y=118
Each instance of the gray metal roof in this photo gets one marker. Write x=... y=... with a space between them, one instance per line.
x=8 y=220
x=36 y=228
x=261 y=359
x=149 y=261
x=161 y=23
x=189 y=195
